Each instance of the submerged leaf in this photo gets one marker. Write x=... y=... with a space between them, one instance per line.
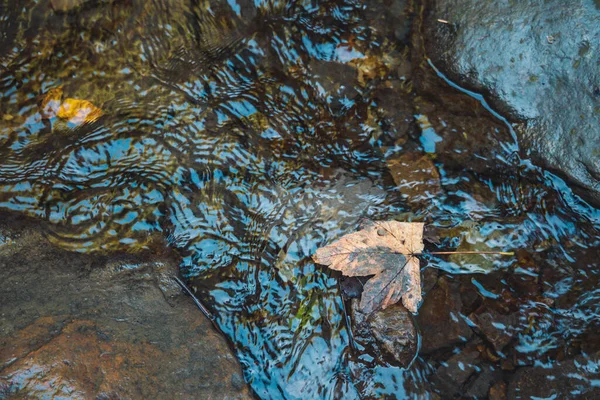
x=51 y=102
x=386 y=250
x=78 y=111
x=74 y=111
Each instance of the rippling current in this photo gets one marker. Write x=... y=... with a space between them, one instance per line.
x=246 y=134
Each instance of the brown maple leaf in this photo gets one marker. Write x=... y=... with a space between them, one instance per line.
x=387 y=251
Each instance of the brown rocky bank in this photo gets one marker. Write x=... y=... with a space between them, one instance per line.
x=95 y=327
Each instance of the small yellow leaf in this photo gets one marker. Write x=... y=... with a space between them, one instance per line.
x=369 y=68
x=73 y=110
x=78 y=111
x=51 y=102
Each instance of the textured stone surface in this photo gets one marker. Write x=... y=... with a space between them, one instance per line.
x=395 y=332
x=569 y=379
x=451 y=377
x=82 y=327
x=442 y=308
x=389 y=334
x=75 y=5
x=498 y=329
x=539 y=63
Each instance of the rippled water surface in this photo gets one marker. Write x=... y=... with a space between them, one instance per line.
x=246 y=134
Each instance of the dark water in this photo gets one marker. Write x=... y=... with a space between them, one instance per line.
x=248 y=134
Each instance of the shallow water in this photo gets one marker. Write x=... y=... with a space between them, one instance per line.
x=248 y=134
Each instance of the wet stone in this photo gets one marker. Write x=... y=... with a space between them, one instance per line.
x=498 y=391
x=397 y=112
x=351 y=287
x=389 y=333
x=337 y=80
x=429 y=277
x=92 y=327
x=469 y=295
x=395 y=20
x=416 y=176
x=395 y=332
x=526 y=278
x=497 y=328
x=73 y=5
x=439 y=317
x=454 y=372
x=539 y=66
x=480 y=386
x=455 y=141
x=573 y=378
x=66 y=5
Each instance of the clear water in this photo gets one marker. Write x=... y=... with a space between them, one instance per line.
x=247 y=134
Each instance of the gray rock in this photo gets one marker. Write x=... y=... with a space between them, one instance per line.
x=539 y=62
x=480 y=387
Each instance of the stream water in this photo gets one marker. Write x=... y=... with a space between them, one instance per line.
x=247 y=134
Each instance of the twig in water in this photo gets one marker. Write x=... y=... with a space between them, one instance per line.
x=502 y=253
x=201 y=306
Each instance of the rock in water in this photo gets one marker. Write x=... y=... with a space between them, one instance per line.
x=83 y=326
x=390 y=334
x=439 y=317
x=395 y=332
x=538 y=62
x=574 y=378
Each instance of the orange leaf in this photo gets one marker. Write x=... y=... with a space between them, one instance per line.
x=51 y=102
x=78 y=111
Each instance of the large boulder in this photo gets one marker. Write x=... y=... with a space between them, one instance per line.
x=94 y=327
x=539 y=64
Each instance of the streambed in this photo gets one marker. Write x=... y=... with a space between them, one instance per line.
x=245 y=135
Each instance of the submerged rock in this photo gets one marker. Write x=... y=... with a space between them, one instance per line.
x=498 y=329
x=390 y=334
x=66 y=5
x=457 y=369
x=440 y=317
x=498 y=391
x=395 y=332
x=486 y=380
x=539 y=63
x=575 y=378
x=416 y=176
x=82 y=326
x=465 y=374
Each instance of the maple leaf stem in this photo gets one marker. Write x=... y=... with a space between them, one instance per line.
x=502 y=253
